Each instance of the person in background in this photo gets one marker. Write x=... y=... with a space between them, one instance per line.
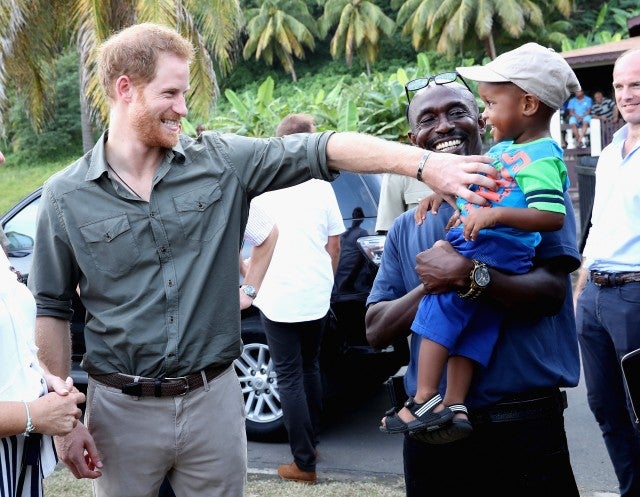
x=515 y=403
x=604 y=108
x=349 y=274
x=579 y=108
x=608 y=289
x=34 y=406
x=458 y=329
x=262 y=233
x=294 y=302
x=156 y=262
x=397 y=195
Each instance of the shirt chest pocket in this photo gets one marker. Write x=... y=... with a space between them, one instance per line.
x=111 y=244
x=201 y=212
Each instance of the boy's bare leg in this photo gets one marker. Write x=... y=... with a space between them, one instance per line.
x=431 y=362
x=459 y=375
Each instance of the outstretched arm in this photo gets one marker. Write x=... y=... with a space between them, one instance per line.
x=447 y=174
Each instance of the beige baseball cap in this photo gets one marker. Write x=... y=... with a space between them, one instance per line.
x=536 y=69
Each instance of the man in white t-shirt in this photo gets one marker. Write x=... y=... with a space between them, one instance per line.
x=294 y=302
x=262 y=234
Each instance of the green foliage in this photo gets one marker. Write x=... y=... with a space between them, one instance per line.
x=61 y=132
x=280 y=29
x=18 y=177
x=602 y=25
x=370 y=104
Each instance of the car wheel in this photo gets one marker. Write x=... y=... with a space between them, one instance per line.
x=259 y=383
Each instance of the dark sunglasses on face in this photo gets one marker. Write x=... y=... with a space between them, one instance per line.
x=439 y=79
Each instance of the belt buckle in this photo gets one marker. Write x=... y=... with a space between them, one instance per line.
x=185 y=382
x=603 y=277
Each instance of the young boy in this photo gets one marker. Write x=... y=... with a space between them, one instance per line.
x=521 y=90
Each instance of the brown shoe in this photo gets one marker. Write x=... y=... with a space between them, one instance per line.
x=294 y=473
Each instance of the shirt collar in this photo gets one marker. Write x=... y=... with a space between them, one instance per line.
x=98 y=161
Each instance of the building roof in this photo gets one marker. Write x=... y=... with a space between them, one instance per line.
x=600 y=55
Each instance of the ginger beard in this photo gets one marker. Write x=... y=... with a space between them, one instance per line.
x=151 y=129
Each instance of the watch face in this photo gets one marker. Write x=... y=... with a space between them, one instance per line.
x=249 y=290
x=481 y=276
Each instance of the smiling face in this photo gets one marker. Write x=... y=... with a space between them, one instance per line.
x=157 y=107
x=503 y=110
x=626 y=84
x=445 y=118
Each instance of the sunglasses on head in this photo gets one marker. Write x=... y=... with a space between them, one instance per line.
x=439 y=79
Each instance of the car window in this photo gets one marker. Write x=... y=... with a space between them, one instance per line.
x=21 y=233
x=351 y=192
x=21 y=228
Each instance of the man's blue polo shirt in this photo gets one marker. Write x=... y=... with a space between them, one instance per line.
x=530 y=353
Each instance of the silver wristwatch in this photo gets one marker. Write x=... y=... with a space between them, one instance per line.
x=249 y=291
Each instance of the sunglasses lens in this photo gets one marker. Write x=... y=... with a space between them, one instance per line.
x=445 y=77
x=417 y=84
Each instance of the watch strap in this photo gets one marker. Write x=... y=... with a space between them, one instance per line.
x=474 y=290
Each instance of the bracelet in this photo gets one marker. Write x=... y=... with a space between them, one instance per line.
x=30 y=426
x=421 y=164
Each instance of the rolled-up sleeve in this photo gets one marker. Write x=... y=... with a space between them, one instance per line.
x=53 y=276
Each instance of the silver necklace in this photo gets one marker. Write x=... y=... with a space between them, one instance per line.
x=124 y=182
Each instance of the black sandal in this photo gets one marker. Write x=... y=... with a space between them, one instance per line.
x=457 y=429
x=426 y=419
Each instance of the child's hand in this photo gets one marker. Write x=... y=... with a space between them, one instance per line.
x=477 y=219
x=454 y=220
x=429 y=203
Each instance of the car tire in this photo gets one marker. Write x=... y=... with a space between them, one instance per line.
x=264 y=419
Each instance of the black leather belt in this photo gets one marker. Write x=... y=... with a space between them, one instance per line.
x=140 y=386
x=530 y=406
x=601 y=278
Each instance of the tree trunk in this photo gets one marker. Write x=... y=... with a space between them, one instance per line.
x=85 y=123
x=489 y=46
x=85 y=115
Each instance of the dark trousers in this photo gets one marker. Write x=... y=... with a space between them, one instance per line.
x=295 y=351
x=608 y=322
x=524 y=458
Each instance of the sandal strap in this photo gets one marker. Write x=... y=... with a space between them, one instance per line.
x=457 y=408
x=423 y=408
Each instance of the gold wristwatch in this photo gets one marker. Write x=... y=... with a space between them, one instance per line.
x=480 y=279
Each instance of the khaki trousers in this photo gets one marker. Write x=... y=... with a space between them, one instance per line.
x=198 y=440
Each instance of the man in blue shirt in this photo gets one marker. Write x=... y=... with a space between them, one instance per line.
x=579 y=108
x=518 y=446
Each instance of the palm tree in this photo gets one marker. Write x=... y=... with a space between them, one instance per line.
x=33 y=32
x=449 y=21
x=360 y=23
x=280 y=29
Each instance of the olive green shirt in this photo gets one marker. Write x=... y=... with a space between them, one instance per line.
x=159 y=279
